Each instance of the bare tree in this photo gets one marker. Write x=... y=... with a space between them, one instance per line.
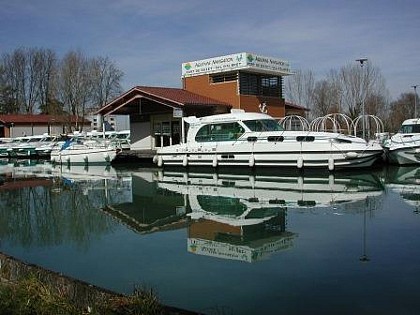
x=357 y=86
x=75 y=84
x=400 y=110
x=326 y=98
x=106 y=81
x=27 y=75
x=300 y=88
x=47 y=82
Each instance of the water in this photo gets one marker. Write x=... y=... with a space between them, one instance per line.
x=254 y=243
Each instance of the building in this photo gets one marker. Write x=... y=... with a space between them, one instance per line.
x=210 y=86
x=15 y=125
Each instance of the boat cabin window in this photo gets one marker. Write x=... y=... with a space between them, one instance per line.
x=263 y=125
x=410 y=129
x=305 y=138
x=219 y=132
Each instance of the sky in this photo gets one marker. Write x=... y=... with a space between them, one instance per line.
x=150 y=39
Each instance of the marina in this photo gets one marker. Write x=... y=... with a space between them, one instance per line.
x=231 y=242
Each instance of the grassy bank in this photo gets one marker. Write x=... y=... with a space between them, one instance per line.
x=31 y=296
x=30 y=289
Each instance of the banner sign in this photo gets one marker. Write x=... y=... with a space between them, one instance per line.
x=240 y=61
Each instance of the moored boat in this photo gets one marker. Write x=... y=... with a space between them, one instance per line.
x=257 y=140
x=403 y=148
x=79 y=151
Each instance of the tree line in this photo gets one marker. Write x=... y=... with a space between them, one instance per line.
x=35 y=80
x=347 y=91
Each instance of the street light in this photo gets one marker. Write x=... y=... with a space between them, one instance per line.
x=415 y=100
x=362 y=61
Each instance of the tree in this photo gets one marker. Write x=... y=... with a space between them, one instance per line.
x=106 y=81
x=358 y=85
x=401 y=109
x=326 y=98
x=27 y=76
x=75 y=83
x=300 y=88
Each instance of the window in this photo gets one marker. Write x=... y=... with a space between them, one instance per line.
x=305 y=138
x=263 y=125
x=410 y=129
x=223 y=77
x=257 y=84
x=219 y=132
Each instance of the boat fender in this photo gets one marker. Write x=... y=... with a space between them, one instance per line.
x=214 y=163
x=67 y=159
x=300 y=162
x=155 y=159
x=185 y=160
x=300 y=182
x=331 y=180
x=160 y=161
x=351 y=155
x=251 y=161
x=331 y=164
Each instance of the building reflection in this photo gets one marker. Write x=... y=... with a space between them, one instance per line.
x=244 y=217
x=227 y=215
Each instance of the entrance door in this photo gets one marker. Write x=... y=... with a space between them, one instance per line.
x=166 y=133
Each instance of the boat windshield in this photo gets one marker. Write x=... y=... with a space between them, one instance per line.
x=263 y=125
x=410 y=129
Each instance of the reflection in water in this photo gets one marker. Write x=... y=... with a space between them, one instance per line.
x=42 y=205
x=405 y=181
x=244 y=217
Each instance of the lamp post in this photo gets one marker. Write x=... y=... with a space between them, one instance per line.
x=362 y=61
x=415 y=100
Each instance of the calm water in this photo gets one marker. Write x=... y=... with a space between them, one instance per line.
x=257 y=243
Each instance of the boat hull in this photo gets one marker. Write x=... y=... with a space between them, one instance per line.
x=84 y=156
x=404 y=156
x=324 y=155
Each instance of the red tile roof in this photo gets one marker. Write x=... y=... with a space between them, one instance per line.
x=180 y=96
x=37 y=119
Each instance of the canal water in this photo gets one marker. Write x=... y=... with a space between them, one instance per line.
x=273 y=242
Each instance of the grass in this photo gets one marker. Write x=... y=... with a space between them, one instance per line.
x=32 y=296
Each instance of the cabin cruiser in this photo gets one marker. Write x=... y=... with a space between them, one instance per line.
x=404 y=147
x=258 y=140
x=82 y=151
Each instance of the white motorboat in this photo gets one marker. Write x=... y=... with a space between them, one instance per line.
x=404 y=147
x=79 y=151
x=257 y=140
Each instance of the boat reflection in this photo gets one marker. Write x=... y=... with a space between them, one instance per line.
x=244 y=217
x=405 y=180
x=41 y=205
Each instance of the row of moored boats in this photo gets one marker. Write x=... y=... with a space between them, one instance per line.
x=235 y=139
x=76 y=148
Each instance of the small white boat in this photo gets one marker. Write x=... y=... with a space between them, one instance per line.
x=257 y=140
x=79 y=151
x=403 y=148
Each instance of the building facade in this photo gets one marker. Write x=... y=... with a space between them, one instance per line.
x=211 y=86
x=246 y=81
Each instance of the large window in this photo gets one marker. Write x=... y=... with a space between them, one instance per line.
x=223 y=77
x=257 y=84
x=219 y=132
x=263 y=125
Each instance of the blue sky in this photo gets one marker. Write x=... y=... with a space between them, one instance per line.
x=149 y=40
